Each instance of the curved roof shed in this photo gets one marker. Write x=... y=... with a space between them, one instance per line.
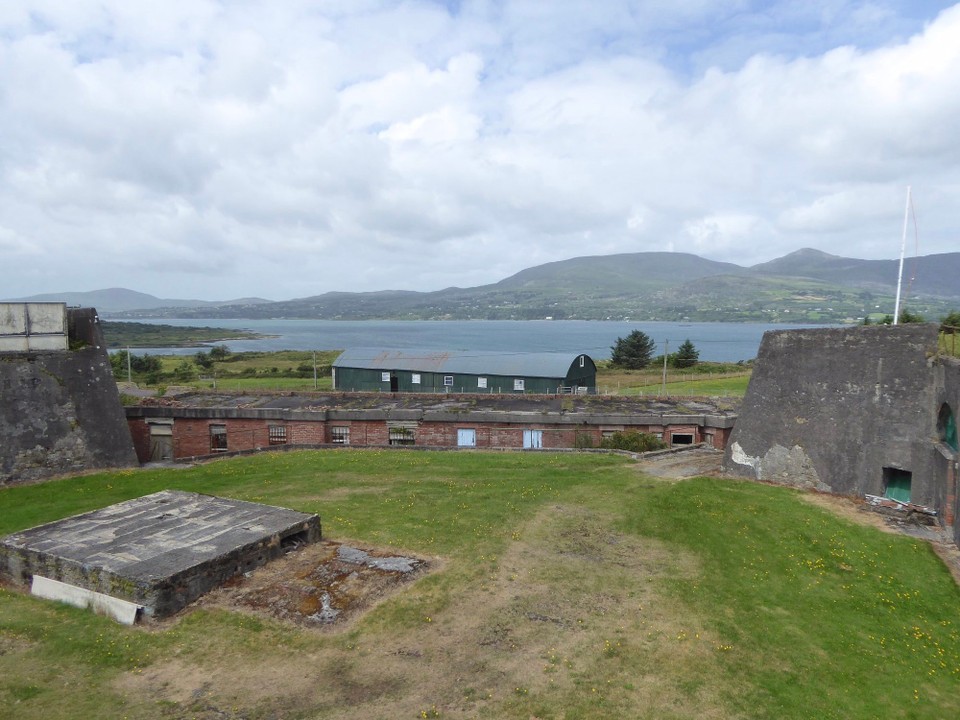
x=378 y=369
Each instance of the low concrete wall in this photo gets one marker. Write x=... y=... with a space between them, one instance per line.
x=60 y=411
x=26 y=327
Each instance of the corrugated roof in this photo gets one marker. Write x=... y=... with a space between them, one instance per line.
x=464 y=362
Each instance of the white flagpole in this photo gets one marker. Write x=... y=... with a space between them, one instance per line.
x=903 y=247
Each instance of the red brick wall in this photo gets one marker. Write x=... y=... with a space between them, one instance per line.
x=140 y=432
x=191 y=436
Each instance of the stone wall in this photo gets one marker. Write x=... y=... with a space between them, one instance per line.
x=839 y=409
x=60 y=411
x=945 y=459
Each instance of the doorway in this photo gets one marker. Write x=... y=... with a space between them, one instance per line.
x=947 y=427
x=161 y=442
x=896 y=484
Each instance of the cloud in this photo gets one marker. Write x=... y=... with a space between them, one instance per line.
x=217 y=150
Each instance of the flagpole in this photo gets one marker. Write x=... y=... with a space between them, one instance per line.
x=903 y=248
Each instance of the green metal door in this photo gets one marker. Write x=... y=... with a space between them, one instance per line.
x=898 y=484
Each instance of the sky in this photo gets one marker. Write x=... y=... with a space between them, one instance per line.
x=220 y=150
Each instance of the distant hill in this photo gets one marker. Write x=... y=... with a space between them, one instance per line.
x=804 y=286
x=113 y=300
x=935 y=275
x=628 y=272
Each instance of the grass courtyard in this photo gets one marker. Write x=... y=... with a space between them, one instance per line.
x=563 y=586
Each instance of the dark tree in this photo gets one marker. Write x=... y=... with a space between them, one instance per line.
x=203 y=360
x=687 y=355
x=632 y=352
x=219 y=353
x=905 y=317
x=147 y=366
x=951 y=323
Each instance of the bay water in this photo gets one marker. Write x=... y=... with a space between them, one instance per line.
x=719 y=342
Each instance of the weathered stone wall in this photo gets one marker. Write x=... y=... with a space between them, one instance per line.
x=945 y=459
x=60 y=411
x=830 y=408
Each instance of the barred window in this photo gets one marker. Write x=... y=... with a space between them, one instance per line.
x=402 y=436
x=277 y=434
x=218 y=438
x=448 y=380
x=340 y=435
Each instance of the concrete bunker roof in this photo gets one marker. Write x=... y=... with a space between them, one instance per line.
x=589 y=405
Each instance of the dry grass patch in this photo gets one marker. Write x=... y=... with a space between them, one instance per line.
x=571 y=616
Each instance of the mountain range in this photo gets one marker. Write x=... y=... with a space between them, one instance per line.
x=804 y=286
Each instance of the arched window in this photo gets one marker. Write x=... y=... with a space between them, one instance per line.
x=947 y=427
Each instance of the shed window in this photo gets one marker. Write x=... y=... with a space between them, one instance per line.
x=415 y=378
x=681 y=439
x=518 y=384
x=277 y=434
x=218 y=438
x=340 y=435
x=481 y=382
x=581 y=360
x=385 y=377
x=448 y=380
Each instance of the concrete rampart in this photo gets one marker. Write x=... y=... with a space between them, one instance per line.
x=60 y=410
x=851 y=411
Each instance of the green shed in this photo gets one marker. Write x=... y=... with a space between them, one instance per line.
x=373 y=369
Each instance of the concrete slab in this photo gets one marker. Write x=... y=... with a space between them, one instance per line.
x=120 y=610
x=160 y=551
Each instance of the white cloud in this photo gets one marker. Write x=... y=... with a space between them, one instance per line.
x=219 y=150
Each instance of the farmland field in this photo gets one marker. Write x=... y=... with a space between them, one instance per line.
x=562 y=585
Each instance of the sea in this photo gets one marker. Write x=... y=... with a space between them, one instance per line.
x=718 y=342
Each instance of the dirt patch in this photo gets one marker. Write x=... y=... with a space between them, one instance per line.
x=848 y=509
x=571 y=613
x=321 y=585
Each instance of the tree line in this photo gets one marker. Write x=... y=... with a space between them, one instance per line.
x=635 y=352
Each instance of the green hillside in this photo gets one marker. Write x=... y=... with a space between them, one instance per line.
x=805 y=286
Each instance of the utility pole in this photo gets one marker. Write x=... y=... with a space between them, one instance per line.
x=129 y=373
x=315 y=370
x=666 y=350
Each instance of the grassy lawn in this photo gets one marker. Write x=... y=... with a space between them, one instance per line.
x=565 y=586
x=706 y=380
x=264 y=383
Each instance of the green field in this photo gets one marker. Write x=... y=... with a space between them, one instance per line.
x=137 y=335
x=724 y=386
x=563 y=586
x=287 y=370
